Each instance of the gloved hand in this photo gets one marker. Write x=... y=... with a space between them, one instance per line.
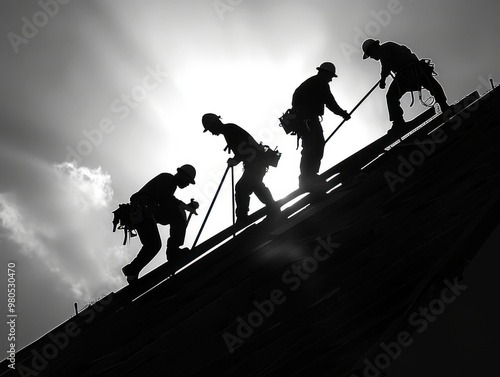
x=232 y=162
x=346 y=115
x=191 y=207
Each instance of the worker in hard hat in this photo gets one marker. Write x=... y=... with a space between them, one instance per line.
x=158 y=205
x=246 y=150
x=308 y=102
x=411 y=74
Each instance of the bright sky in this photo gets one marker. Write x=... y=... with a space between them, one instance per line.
x=120 y=87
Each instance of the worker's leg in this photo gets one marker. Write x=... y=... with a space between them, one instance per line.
x=151 y=244
x=177 y=233
x=243 y=190
x=393 y=96
x=260 y=189
x=313 y=146
x=435 y=88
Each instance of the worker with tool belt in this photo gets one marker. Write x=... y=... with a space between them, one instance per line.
x=308 y=102
x=255 y=164
x=154 y=204
x=411 y=75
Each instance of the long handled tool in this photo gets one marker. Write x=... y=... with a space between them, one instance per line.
x=211 y=206
x=232 y=192
x=353 y=110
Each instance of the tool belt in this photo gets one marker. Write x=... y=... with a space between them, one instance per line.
x=270 y=156
x=292 y=123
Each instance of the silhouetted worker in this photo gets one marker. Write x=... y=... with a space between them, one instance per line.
x=245 y=149
x=158 y=205
x=308 y=102
x=411 y=74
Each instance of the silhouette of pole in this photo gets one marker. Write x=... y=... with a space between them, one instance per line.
x=210 y=208
x=232 y=197
x=353 y=110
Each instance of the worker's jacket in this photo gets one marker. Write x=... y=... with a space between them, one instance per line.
x=311 y=97
x=242 y=144
x=396 y=58
x=157 y=198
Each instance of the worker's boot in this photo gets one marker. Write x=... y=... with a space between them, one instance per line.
x=398 y=126
x=175 y=253
x=131 y=275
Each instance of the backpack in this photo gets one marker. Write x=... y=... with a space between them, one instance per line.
x=125 y=217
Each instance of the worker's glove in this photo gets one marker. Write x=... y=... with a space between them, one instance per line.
x=232 y=162
x=382 y=84
x=191 y=207
x=346 y=115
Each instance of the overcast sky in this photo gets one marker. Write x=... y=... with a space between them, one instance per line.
x=99 y=97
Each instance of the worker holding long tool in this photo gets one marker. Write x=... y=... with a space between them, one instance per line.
x=255 y=158
x=308 y=102
x=411 y=74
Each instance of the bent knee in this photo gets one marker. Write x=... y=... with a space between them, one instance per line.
x=154 y=244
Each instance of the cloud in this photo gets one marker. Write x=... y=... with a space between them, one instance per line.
x=86 y=188
x=62 y=218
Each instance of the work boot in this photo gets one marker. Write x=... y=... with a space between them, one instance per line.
x=444 y=107
x=398 y=126
x=129 y=274
x=241 y=219
x=311 y=182
x=173 y=255
x=273 y=210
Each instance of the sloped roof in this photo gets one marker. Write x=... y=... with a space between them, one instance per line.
x=315 y=292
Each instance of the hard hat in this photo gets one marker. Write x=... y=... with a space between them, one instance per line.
x=369 y=43
x=328 y=67
x=208 y=120
x=189 y=170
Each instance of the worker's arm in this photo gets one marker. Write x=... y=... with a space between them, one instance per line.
x=334 y=107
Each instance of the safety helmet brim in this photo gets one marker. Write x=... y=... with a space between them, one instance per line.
x=209 y=120
x=368 y=45
x=189 y=172
x=327 y=70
